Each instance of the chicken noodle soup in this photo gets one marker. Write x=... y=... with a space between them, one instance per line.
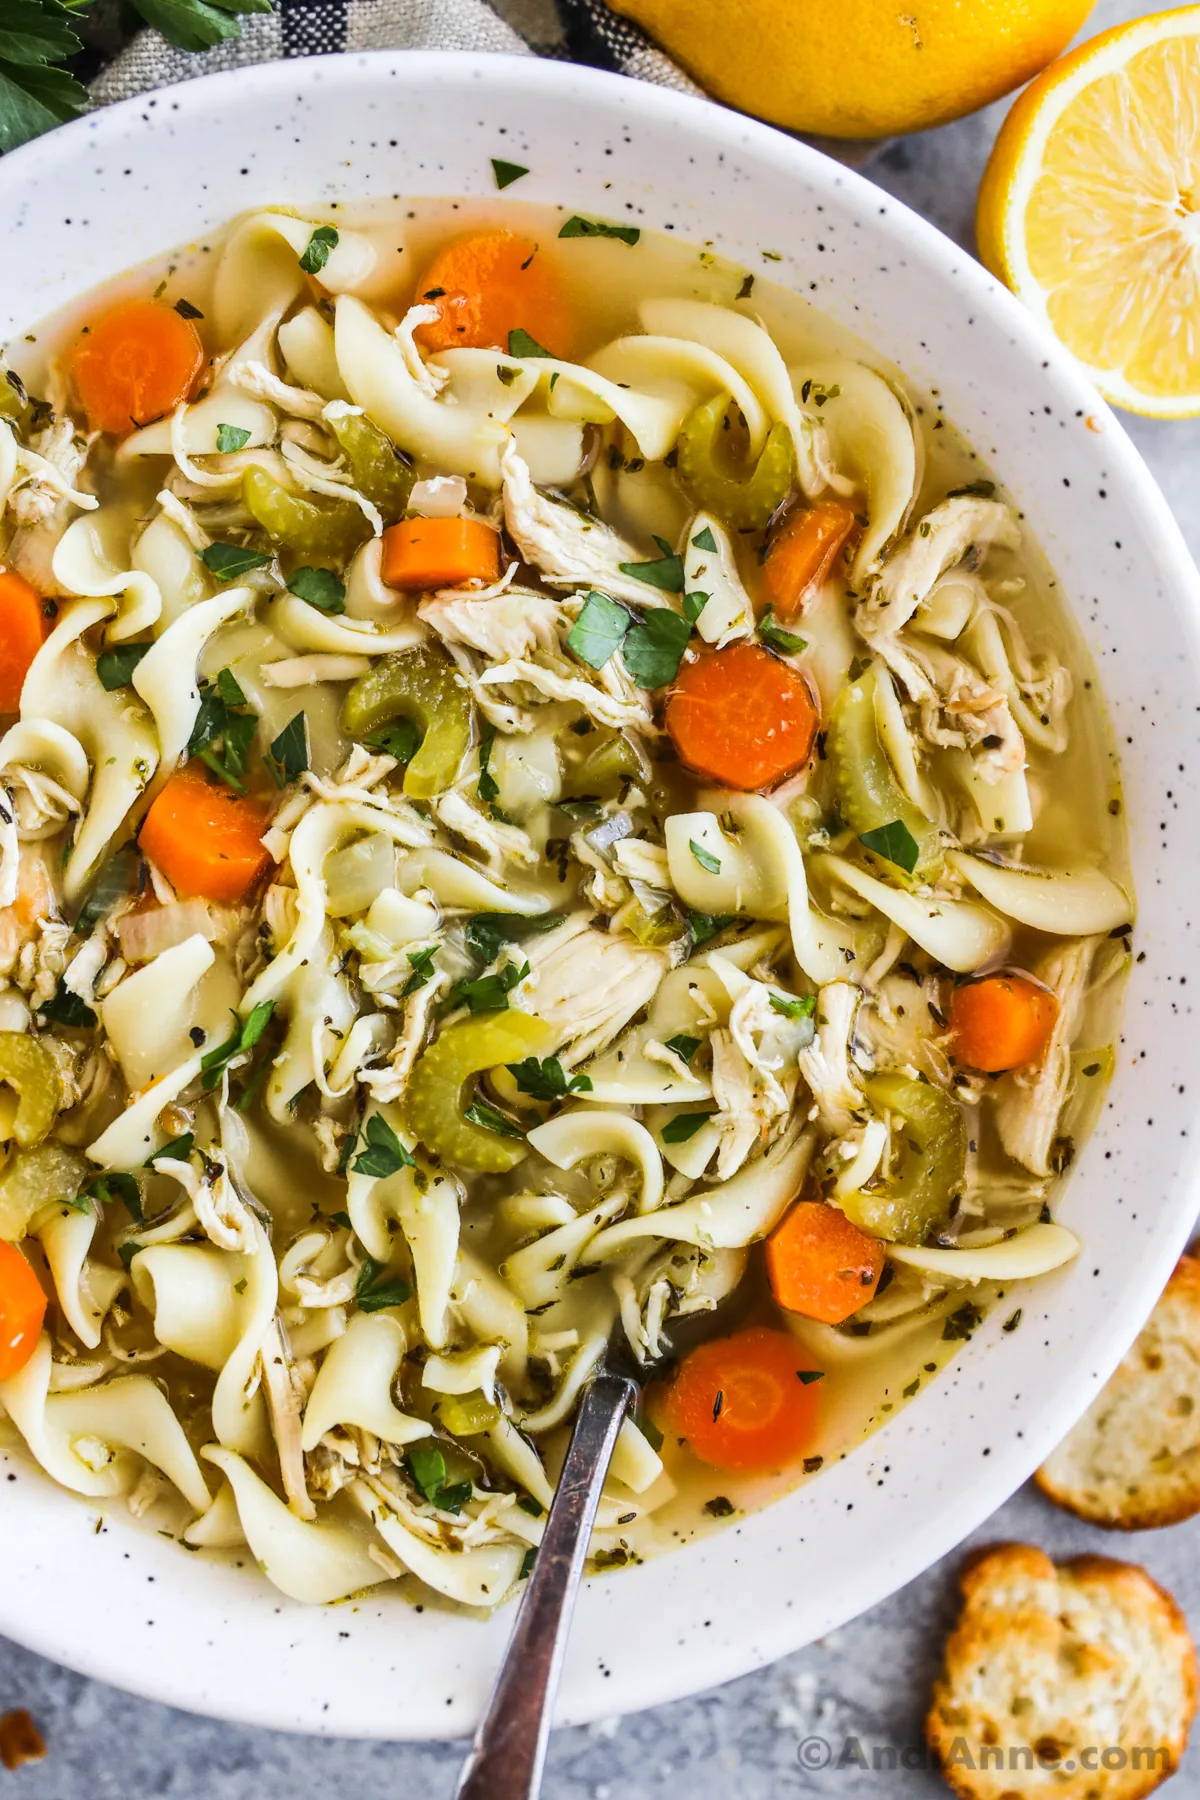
x=545 y=802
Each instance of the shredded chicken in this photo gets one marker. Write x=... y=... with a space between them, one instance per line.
x=961 y=524
x=566 y=547
x=826 y=1063
x=497 y=841
x=588 y=984
x=285 y=1404
x=222 y=1214
x=1028 y=1103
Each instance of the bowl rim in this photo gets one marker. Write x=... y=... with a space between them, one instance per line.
x=701 y=1662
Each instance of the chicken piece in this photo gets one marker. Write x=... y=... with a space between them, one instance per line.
x=390 y=1080
x=222 y=1214
x=961 y=524
x=754 y=1075
x=285 y=1405
x=682 y=1279
x=256 y=379
x=1028 y=1102
x=825 y=1064
x=900 y=1029
x=499 y=843
x=514 y=623
x=48 y=471
x=587 y=985
x=565 y=546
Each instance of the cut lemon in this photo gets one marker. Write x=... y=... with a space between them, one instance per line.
x=1090 y=209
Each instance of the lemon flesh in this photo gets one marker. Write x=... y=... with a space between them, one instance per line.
x=1090 y=209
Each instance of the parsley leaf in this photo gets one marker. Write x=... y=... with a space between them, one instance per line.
x=506 y=172
x=704 y=540
x=665 y=571
x=794 y=1006
x=895 y=843
x=197 y=24
x=231 y=438
x=599 y=629
x=489 y=993
x=217 y=723
x=487 y=933
x=586 y=228
x=115 y=667
x=487 y=789
x=372 y=1293
x=704 y=926
x=66 y=1008
x=227 y=561
x=653 y=650
x=480 y=1113
x=427 y=1466
x=117 y=879
x=704 y=857
x=773 y=635
x=385 y=1155
x=34 y=94
x=684 y=1047
x=400 y=739
x=175 y=1150
x=248 y=1033
x=422 y=965
x=316 y=252
x=123 y=1187
x=547 y=1080
x=521 y=344
x=320 y=588
x=287 y=758
x=683 y=1126
x=693 y=605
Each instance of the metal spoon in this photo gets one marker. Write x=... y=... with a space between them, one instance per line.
x=509 y=1752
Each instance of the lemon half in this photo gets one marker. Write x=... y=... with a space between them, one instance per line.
x=1090 y=209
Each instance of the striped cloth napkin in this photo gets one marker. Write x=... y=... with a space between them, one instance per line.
x=578 y=30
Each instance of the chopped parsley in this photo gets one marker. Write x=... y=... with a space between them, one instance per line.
x=115 y=667
x=427 y=1466
x=693 y=605
x=480 y=1113
x=227 y=561
x=186 y=310
x=488 y=789
x=316 y=252
x=320 y=588
x=665 y=571
x=400 y=739
x=231 y=438
x=115 y=1186
x=422 y=965
x=794 y=1006
x=590 y=228
x=704 y=540
x=488 y=993
x=507 y=172
x=372 y=1291
x=683 y=1126
x=248 y=1033
x=684 y=1047
x=704 y=926
x=487 y=933
x=704 y=857
x=521 y=344
x=895 y=843
x=547 y=1080
x=66 y=1008
x=224 y=732
x=776 y=638
x=384 y=1155
x=288 y=756
x=653 y=650
x=601 y=627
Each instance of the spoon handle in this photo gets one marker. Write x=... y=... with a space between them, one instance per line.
x=506 y=1760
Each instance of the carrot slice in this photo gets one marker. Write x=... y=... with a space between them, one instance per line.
x=741 y=717
x=134 y=364
x=821 y=1265
x=22 y=1309
x=801 y=553
x=205 y=838
x=1002 y=1022
x=741 y=1403
x=22 y=631
x=489 y=284
x=432 y=553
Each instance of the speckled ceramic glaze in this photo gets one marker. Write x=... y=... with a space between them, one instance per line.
x=116 y=188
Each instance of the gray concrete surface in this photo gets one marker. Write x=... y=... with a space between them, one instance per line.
x=846 y=1701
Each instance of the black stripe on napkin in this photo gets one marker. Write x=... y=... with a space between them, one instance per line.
x=312 y=27
x=598 y=36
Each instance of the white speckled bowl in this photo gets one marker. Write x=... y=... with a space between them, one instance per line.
x=113 y=189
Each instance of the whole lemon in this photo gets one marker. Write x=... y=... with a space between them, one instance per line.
x=859 y=68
